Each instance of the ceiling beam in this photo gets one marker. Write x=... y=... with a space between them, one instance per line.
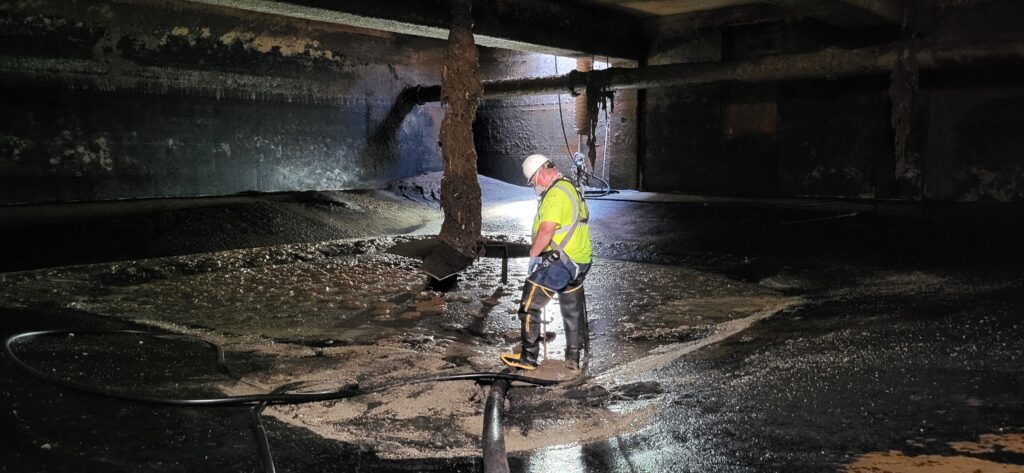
x=682 y=24
x=850 y=14
x=560 y=28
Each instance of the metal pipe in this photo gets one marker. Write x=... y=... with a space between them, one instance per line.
x=495 y=456
x=504 y=265
x=828 y=63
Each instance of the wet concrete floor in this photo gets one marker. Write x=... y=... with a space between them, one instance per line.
x=726 y=338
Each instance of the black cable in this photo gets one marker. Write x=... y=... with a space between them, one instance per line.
x=262 y=442
x=561 y=119
x=343 y=392
x=278 y=396
x=605 y=187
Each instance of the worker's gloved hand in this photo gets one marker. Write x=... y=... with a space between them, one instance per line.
x=532 y=265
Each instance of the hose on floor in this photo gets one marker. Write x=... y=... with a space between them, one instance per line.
x=343 y=392
x=281 y=395
x=495 y=455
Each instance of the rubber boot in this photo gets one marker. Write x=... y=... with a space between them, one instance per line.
x=573 y=304
x=534 y=299
x=526 y=359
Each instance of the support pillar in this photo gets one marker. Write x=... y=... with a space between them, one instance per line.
x=907 y=120
x=460 y=94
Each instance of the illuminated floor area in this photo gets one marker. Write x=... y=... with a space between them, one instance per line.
x=364 y=316
x=732 y=343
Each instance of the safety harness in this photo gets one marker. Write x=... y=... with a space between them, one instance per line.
x=580 y=214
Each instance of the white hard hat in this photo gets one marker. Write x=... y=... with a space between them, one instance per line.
x=532 y=164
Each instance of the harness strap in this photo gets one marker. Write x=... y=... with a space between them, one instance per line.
x=576 y=220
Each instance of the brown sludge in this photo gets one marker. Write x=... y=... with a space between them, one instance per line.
x=460 y=95
x=898 y=462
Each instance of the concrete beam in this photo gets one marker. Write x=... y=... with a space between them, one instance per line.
x=825 y=64
x=850 y=14
x=679 y=25
x=560 y=28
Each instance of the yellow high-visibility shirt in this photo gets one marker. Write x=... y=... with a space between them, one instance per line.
x=562 y=205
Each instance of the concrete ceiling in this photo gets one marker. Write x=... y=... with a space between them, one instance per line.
x=669 y=7
x=546 y=26
x=843 y=13
x=615 y=28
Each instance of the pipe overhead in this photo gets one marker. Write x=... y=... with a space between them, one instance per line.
x=826 y=64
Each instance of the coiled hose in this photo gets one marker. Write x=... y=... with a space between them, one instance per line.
x=493 y=435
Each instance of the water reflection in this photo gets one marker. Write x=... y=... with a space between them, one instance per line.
x=602 y=456
x=563 y=459
x=512 y=218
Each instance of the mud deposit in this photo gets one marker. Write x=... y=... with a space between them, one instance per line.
x=963 y=461
x=714 y=348
x=346 y=311
x=79 y=233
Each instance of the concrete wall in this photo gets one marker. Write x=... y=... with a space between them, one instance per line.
x=800 y=138
x=833 y=138
x=125 y=99
x=507 y=130
x=134 y=99
x=681 y=124
x=975 y=136
x=973 y=139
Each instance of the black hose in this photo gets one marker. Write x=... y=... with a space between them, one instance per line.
x=262 y=442
x=561 y=119
x=343 y=392
x=604 y=189
x=495 y=456
x=260 y=432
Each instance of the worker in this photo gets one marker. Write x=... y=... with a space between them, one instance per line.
x=560 y=257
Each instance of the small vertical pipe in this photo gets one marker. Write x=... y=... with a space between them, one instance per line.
x=582 y=124
x=504 y=265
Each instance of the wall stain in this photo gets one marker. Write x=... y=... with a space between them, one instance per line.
x=1000 y=185
x=122 y=99
x=74 y=152
x=285 y=45
x=11 y=149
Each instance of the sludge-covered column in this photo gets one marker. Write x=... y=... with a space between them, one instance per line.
x=460 y=94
